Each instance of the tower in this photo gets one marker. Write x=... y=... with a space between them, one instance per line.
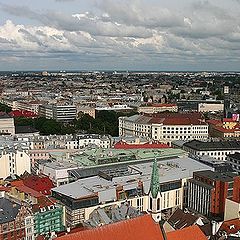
x=154 y=196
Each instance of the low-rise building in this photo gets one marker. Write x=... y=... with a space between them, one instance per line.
x=48 y=217
x=15 y=221
x=61 y=113
x=226 y=128
x=217 y=149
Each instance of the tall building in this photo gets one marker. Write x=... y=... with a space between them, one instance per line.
x=208 y=191
x=61 y=113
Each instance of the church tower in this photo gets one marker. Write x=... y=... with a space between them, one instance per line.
x=154 y=196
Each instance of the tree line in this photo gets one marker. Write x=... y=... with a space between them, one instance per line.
x=105 y=122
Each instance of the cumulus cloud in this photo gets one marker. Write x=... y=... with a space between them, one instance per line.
x=131 y=30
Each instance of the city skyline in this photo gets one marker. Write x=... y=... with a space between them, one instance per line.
x=120 y=35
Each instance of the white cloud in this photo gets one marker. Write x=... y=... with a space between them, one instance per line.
x=125 y=29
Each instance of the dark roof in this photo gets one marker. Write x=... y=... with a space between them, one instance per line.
x=8 y=210
x=4 y=115
x=235 y=156
x=179 y=219
x=224 y=177
x=212 y=146
x=25 y=129
x=206 y=229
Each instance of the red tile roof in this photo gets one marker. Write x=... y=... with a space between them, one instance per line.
x=159 y=105
x=29 y=191
x=22 y=113
x=42 y=184
x=228 y=120
x=124 y=145
x=140 y=228
x=231 y=226
x=42 y=203
x=188 y=233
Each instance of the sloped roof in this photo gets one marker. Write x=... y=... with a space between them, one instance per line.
x=22 y=113
x=41 y=184
x=179 y=219
x=188 y=233
x=8 y=210
x=140 y=228
x=231 y=226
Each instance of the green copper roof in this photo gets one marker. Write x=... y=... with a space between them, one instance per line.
x=155 y=184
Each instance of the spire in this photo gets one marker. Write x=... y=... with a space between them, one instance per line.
x=155 y=184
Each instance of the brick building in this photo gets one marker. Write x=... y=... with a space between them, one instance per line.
x=208 y=191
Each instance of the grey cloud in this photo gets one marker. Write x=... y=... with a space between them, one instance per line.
x=69 y=23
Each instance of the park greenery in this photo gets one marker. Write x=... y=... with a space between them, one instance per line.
x=106 y=122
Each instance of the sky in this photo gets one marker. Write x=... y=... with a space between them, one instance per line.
x=146 y=35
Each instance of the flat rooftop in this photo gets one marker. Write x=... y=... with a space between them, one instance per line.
x=96 y=157
x=225 y=177
x=169 y=170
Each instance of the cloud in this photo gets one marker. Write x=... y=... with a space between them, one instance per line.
x=126 y=32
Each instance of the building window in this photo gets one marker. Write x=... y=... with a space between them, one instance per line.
x=158 y=204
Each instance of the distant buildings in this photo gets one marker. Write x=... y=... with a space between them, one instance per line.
x=201 y=105
x=155 y=108
x=61 y=113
